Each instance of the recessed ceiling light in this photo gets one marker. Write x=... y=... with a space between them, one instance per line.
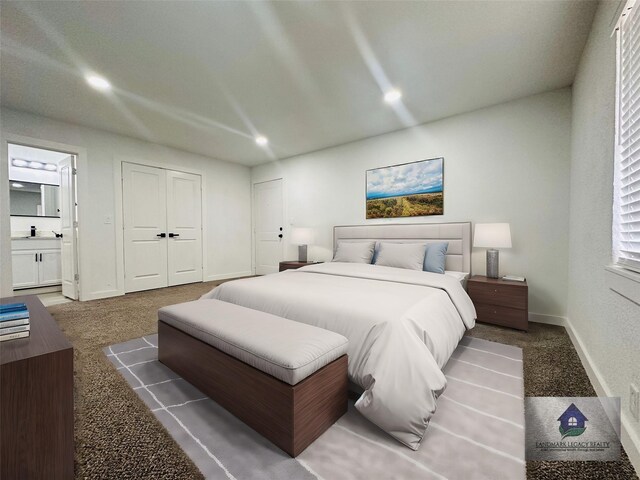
x=98 y=82
x=51 y=167
x=36 y=165
x=392 y=96
x=18 y=162
x=17 y=185
x=262 y=140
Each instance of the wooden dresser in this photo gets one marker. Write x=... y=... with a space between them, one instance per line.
x=36 y=400
x=501 y=302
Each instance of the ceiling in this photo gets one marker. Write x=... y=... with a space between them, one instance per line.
x=207 y=77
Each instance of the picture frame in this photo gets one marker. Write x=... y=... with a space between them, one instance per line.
x=413 y=189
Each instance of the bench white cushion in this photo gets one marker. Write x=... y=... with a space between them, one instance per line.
x=287 y=350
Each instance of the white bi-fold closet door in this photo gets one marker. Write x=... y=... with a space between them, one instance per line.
x=162 y=212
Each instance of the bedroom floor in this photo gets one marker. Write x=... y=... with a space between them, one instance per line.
x=118 y=437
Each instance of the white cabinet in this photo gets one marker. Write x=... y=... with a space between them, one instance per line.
x=36 y=262
x=25 y=269
x=50 y=267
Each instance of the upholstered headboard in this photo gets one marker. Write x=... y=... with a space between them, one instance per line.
x=457 y=234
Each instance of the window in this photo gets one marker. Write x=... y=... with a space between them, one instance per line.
x=572 y=422
x=626 y=202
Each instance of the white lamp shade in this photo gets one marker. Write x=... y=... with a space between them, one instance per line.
x=492 y=235
x=302 y=236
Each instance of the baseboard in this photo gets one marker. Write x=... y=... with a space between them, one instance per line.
x=227 y=276
x=37 y=290
x=630 y=439
x=117 y=293
x=547 y=319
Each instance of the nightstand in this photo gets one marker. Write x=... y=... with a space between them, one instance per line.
x=293 y=264
x=501 y=302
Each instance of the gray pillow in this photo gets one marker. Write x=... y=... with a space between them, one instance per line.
x=401 y=255
x=354 y=252
x=434 y=260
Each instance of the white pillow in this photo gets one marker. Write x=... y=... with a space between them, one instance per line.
x=354 y=252
x=401 y=255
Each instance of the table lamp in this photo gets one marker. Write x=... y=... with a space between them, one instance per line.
x=492 y=236
x=302 y=237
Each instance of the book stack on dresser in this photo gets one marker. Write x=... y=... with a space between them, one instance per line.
x=14 y=321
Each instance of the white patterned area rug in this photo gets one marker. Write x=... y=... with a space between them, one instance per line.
x=477 y=431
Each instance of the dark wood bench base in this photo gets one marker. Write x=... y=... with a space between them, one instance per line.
x=291 y=416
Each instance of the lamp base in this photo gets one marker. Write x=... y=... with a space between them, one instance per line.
x=302 y=253
x=493 y=260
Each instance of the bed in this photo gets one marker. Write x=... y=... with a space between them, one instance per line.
x=402 y=325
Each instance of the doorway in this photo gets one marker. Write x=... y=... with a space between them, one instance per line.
x=43 y=220
x=162 y=221
x=268 y=225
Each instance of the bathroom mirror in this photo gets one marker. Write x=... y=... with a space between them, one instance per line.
x=34 y=199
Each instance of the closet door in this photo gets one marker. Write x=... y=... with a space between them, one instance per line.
x=144 y=196
x=184 y=227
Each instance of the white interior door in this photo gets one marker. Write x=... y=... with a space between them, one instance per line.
x=144 y=192
x=184 y=227
x=269 y=232
x=66 y=168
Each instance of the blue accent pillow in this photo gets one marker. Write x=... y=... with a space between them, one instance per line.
x=435 y=258
x=376 y=249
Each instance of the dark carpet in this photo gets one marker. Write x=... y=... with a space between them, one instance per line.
x=118 y=437
x=552 y=368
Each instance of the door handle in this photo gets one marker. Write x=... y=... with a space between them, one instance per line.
x=171 y=235
x=161 y=235
x=40 y=257
x=280 y=236
x=36 y=257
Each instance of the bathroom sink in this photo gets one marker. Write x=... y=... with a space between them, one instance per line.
x=42 y=237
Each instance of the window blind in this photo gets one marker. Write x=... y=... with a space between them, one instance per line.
x=626 y=228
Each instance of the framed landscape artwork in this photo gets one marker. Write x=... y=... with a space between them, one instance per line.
x=409 y=190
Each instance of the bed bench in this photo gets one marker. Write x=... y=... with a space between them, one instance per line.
x=285 y=379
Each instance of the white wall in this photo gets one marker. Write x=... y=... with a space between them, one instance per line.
x=227 y=221
x=21 y=226
x=607 y=323
x=26 y=174
x=507 y=163
x=30 y=175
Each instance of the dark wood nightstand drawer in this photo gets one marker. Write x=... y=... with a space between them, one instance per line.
x=288 y=266
x=494 y=294
x=294 y=264
x=507 y=317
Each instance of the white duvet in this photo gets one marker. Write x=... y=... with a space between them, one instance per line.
x=402 y=327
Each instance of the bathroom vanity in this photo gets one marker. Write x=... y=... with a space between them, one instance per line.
x=36 y=261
